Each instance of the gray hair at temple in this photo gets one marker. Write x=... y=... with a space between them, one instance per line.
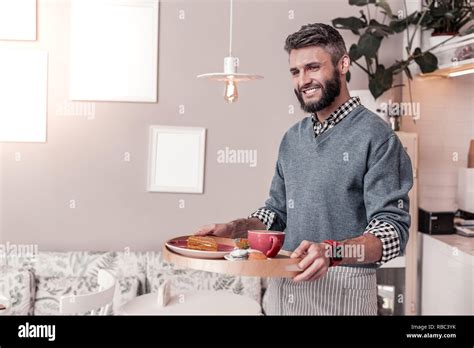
x=318 y=34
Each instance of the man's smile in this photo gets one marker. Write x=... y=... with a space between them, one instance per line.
x=310 y=91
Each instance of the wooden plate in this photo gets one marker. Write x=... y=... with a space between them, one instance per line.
x=281 y=266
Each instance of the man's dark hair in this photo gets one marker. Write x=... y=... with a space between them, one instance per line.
x=318 y=34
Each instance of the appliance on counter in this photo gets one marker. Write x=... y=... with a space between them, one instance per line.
x=467 y=231
x=435 y=222
x=464 y=223
x=465 y=193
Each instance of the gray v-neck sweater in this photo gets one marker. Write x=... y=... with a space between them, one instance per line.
x=332 y=185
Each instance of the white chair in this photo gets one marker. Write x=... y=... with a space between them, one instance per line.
x=80 y=304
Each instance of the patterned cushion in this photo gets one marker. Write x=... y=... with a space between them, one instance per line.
x=53 y=274
x=87 y=264
x=187 y=279
x=50 y=289
x=70 y=264
x=19 y=287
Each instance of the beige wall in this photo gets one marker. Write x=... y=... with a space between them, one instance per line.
x=445 y=128
x=83 y=158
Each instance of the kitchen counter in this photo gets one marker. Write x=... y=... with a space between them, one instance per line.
x=462 y=243
x=447 y=275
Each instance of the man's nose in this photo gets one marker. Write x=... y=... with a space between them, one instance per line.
x=304 y=79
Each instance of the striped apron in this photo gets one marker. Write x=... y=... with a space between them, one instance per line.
x=342 y=291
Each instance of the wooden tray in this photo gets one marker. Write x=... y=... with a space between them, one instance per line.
x=282 y=266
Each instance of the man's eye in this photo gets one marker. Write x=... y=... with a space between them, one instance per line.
x=313 y=68
x=294 y=73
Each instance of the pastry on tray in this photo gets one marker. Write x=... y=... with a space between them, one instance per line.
x=201 y=243
x=257 y=255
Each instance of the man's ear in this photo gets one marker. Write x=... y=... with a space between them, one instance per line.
x=344 y=64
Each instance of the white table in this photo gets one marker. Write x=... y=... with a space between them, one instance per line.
x=194 y=303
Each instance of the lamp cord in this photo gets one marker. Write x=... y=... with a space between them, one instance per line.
x=230 y=30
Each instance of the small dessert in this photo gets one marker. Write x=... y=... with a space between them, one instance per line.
x=201 y=243
x=257 y=255
x=242 y=243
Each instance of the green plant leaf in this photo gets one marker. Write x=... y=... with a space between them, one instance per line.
x=351 y=23
x=378 y=29
x=395 y=66
x=426 y=61
x=385 y=6
x=449 y=15
x=369 y=44
x=399 y=25
x=361 y=2
x=381 y=82
x=363 y=17
x=354 y=53
x=375 y=88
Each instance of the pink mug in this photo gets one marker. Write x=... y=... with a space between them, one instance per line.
x=268 y=242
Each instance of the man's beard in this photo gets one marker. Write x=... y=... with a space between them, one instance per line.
x=329 y=92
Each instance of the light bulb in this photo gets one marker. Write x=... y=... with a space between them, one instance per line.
x=231 y=94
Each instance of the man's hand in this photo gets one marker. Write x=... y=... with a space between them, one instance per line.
x=234 y=229
x=218 y=230
x=315 y=262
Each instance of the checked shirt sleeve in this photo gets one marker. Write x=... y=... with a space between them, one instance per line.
x=389 y=238
x=387 y=183
x=266 y=216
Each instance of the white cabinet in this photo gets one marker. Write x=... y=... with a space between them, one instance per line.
x=447 y=277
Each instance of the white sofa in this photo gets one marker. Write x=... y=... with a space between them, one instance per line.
x=35 y=284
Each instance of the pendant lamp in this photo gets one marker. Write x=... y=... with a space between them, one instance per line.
x=230 y=75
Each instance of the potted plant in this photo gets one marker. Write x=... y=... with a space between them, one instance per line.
x=445 y=18
x=371 y=33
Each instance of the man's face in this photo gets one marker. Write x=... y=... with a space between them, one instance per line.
x=316 y=81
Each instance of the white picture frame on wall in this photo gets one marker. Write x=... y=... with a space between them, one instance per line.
x=114 y=50
x=23 y=95
x=176 y=159
x=18 y=20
